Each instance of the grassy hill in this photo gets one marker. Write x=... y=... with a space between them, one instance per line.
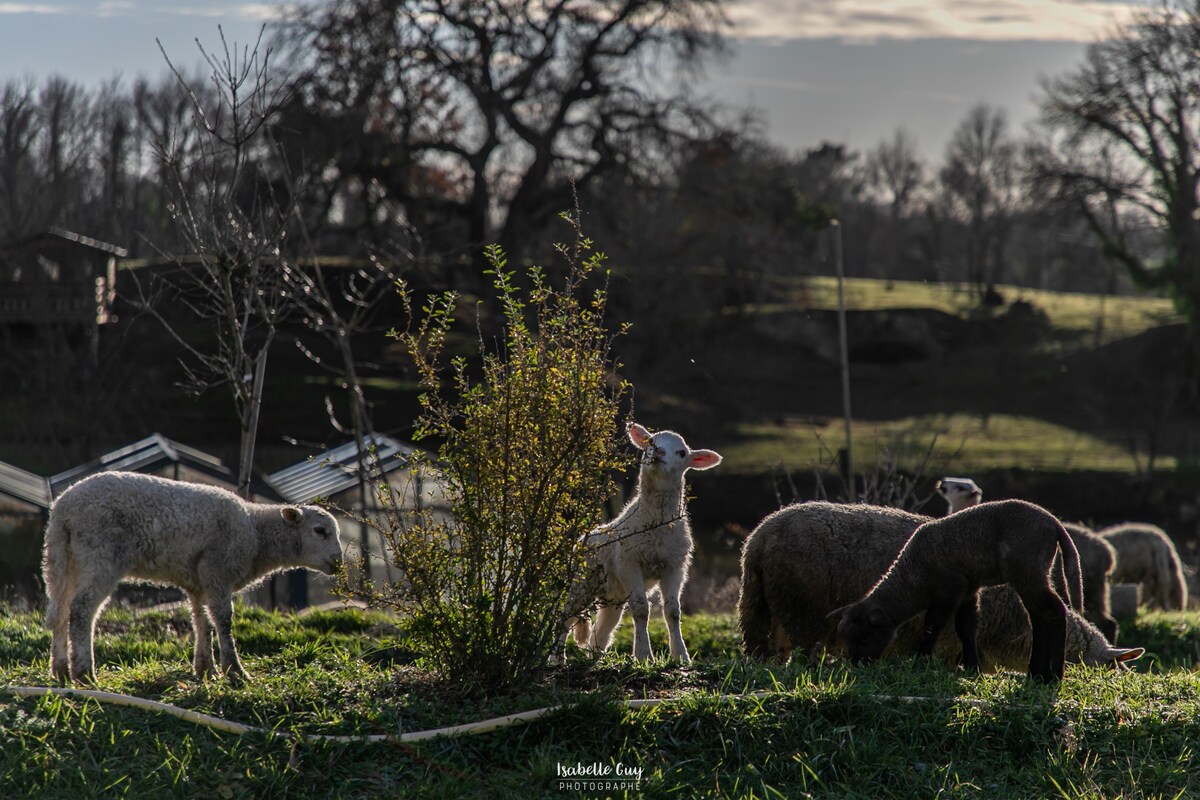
x=893 y=730
x=1049 y=381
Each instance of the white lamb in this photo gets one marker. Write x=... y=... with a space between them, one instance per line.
x=648 y=544
x=205 y=540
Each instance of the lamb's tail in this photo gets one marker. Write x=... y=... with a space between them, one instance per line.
x=754 y=615
x=1074 y=575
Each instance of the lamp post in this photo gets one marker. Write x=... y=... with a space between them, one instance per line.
x=843 y=354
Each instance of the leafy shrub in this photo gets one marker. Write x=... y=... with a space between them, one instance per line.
x=526 y=454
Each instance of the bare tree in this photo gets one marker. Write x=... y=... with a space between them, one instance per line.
x=18 y=169
x=469 y=119
x=896 y=170
x=981 y=182
x=47 y=156
x=1126 y=148
x=234 y=274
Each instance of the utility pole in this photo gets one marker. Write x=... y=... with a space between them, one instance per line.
x=844 y=354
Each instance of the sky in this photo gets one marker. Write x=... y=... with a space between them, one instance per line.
x=844 y=71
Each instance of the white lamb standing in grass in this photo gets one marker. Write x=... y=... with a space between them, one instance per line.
x=648 y=544
x=204 y=540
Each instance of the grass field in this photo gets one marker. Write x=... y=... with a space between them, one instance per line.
x=994 y=441
x=897 y=729
x=1014 y=399
x=1068 y=312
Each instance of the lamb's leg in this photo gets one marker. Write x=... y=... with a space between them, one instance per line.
x=202 y=658
x=60 y=590
x=946 y=602
x=220 y=607
x=671 y=587
x=1048 y=621
x=639 y=609
x=966 y=621
x=935 y=619
x=90 y=596
x=607 y=619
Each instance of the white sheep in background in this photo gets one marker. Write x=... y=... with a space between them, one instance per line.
x=648 y=544
x=1147 y=556
x=203 y=539
x=960 y=493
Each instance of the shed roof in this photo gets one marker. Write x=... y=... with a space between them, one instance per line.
x=336 y=470
x=24 y=486
x=54 y=232
x=153 y=453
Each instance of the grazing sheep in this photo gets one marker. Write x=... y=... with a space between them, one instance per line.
x=942 y=568
x=1096 y=556
x=1006 y=637
x=205 y=540
x=1145 y=555
x=648 y=544
x=804 y=561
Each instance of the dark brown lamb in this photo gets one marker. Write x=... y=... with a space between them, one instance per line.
x=944 y=565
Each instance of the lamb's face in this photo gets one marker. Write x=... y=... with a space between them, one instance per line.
x=320 y=547
x=865 y=631
x=666 y=454
x=960 y=493
x=666 y=451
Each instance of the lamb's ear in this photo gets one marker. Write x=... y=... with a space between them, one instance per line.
x=836 y=614
x=1123 y=654
x=291 y=514
x=638 y=435
x=704 y=459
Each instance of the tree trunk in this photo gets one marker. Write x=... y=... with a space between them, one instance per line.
x=250 y=422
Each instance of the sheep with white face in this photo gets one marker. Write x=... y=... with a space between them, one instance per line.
x=204 y=540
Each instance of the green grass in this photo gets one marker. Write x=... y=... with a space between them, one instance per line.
x=825 y=731
x=965 y=441
x=1066 y=311
x=995 y=441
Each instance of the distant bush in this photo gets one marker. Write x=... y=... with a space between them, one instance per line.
x=526 y=454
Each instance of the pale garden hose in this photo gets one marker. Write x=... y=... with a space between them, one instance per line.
x=216 y=723
x=482 y=726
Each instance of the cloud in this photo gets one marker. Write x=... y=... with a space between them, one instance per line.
x=265 y=12
x=31 y=8
x=987 y=20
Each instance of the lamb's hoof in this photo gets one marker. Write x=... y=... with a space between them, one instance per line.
x=61 y=674
x=237 y=676
x=86 y=679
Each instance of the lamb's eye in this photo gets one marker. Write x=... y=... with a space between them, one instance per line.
x=681 y=453
x=322 y=531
